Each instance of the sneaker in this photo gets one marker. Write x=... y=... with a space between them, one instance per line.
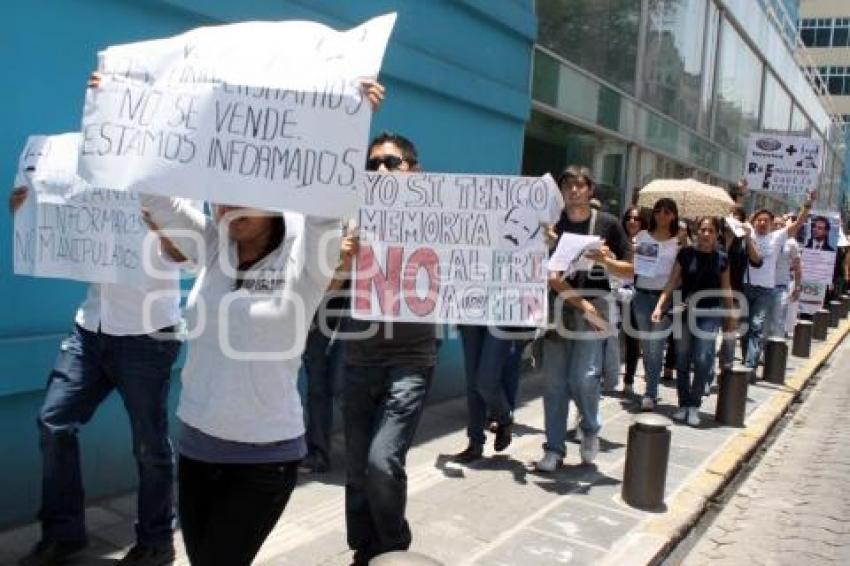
x=550 y=462
x=693 y=416
x=503 y=436
x=470 y=454
x=52 y=553
x=589 y=448
x=149 y=555
x=681 y=414
x=647 y=404
x=313 y=464
x=628 y=389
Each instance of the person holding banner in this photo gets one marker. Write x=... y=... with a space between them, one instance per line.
x=241 y=427
x=760 y=282
x=655 y=255
x=702 y=272
x=575 y=352
x=124 y=342
x=389 y=366
x=788 y=284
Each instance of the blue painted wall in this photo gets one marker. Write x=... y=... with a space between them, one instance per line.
x=457 y=73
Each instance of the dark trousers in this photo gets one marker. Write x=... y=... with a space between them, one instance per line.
x=382 y=407
x=632 y=344
x=489 y=392
x=228 y=510
x=89 y=366
x=323 y=364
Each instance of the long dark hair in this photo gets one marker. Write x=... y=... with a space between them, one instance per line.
x=629 y=212
x=665 y=203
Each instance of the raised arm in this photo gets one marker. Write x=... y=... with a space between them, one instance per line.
x=802 y=216
x=176 y=219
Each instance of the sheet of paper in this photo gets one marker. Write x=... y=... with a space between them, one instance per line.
x=569 y=254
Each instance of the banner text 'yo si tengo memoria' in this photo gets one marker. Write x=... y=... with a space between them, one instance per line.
x=448 y=248
x=67 y=229
x=263 y=114
x=783 y=164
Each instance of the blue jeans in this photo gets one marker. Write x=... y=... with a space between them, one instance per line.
x=487 y=393
x=762 y=302
x=89 y=366
x=573 y=372
x=323 y=361
x=780 y=312
x=697 y=349
x=653 y=338
x=382 y=407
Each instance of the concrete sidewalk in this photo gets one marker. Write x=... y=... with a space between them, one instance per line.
x=499 y=511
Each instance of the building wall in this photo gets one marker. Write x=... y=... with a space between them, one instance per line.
x=457 y=73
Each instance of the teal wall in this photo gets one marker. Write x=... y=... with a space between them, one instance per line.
x=457 y=73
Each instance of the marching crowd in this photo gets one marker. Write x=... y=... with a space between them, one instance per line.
x=241 y=434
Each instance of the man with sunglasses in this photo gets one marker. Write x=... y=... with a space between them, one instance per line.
x=387 y=376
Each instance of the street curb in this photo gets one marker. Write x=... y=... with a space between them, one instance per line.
x=650 y=542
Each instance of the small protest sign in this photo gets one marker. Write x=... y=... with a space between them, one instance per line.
x=448 y=248
x=783 y=164
x=65 y=228
x=263 y=114
x=818 y=244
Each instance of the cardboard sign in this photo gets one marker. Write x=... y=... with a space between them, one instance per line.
x=446 y=248
x=260 y=114
x=783 y=164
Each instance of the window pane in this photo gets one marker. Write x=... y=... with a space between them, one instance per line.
x=598 y=35
x=808 y=37
x=822 y=37
x=673 y=65
x=736 y=106
x=777 y=105
x=839 y=37
x=836 y=85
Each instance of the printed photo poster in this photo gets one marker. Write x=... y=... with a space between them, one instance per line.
x=263 y=114
x=819 y=239
x=783 y=164
x=812 y=296
x=646 y=258
x=449 y=248
x=66 y=229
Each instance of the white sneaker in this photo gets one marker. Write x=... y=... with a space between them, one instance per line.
x=693 y=416
x=681 y=414
x=589 y=448
x=647 y=404
x=550 y=462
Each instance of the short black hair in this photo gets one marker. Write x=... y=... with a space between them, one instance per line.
x=408 y=150
x=823 y=219
x=577 y=172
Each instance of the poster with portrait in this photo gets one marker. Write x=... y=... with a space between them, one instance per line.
x=819 y=239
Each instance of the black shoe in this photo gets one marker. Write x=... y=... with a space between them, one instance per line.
x=150 y=555
x=470 y=454
x=503 y=436
x=314 y=465
x=53 y=553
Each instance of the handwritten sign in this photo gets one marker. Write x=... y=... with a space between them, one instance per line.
x=258 y=114
x=66 y=229
x=445 y=248
x=783 y=164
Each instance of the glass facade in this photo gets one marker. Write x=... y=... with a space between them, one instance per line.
x=673 y=58
x=598 y=35
x=776 y=111
x=738 y=91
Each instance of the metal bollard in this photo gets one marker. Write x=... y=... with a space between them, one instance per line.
x=403 y=558
x=845 y=305
x=834 y=313
x=820 y=320
x=775 y=360
x=647 y=454
x=732 y=396
x=802 y=346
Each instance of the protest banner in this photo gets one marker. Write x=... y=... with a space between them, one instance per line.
x=783 y=164
x=260 y=114
x=447 y=248
x=66 y=229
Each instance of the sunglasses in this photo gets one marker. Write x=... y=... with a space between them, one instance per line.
x=391 y=162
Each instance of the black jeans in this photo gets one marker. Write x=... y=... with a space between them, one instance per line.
x=382 y=407
x=228 y=510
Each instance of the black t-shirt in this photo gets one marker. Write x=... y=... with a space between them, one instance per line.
x=393 y=344
x=609 y=229
x=701 y=272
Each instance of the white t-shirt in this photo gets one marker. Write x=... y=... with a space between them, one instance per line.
x=790 y=252
x=770 y=247
x=662 y=265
